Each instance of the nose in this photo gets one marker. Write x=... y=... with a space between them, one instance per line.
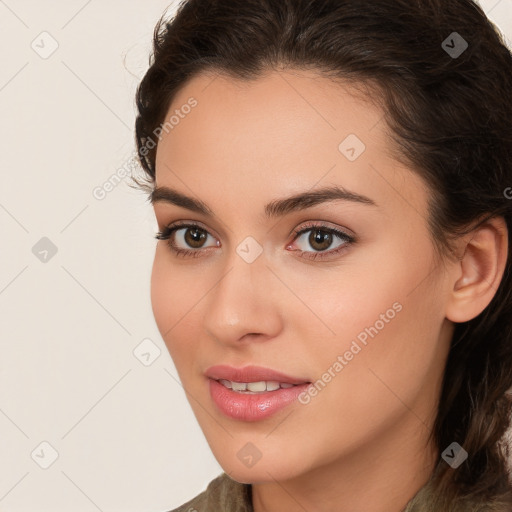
x=243 y=306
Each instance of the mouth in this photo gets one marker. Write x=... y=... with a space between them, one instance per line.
x=251 y=375
x=252 y=393
x=254 y=388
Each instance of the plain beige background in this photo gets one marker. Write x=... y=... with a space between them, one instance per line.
x=92 y=416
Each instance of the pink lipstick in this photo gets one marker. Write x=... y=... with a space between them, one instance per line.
x=252 y=393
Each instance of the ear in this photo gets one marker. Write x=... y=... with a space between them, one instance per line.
x=477 y=275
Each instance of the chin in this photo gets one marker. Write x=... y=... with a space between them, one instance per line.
x=268 y=468
x=258 y=474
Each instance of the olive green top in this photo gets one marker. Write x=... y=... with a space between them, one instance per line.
x=224 y=494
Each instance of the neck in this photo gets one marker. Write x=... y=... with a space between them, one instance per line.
x=382 y=476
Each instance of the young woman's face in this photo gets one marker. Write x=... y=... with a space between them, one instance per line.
x=359 y=315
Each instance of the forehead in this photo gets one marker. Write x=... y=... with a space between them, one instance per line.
x=283 y=106
x=281 y=133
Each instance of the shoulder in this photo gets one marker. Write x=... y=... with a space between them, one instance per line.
x=223 y=494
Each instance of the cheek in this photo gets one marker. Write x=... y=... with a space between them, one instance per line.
x=368 y=290
x=355 y=316
x=386 y=320
x=380 y=299
x=172 y=299
x=394 y=373
x=162 y=296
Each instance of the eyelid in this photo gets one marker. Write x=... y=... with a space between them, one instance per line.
x=179 y=224
x=295 y=231
x=170 y=230
x=188 y=223
x=341 y=233
x=347 y=240
x=324 y=225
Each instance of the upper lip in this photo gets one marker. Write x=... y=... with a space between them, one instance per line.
x=250 y=374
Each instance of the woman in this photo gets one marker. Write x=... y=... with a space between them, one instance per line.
x=331 y=181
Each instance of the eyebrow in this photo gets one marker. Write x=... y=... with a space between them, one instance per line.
x=276 y=208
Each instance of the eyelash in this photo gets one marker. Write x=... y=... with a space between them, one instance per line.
x=167 y=232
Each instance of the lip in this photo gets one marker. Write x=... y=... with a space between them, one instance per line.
x=250 y=374
x=252 y=407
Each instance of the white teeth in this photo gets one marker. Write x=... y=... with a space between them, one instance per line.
x=255 y=387
x=238 y=386
x=272 y=385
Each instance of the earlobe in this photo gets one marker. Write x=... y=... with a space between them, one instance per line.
x=478 y=273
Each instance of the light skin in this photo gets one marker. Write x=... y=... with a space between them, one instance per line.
x=361 y=443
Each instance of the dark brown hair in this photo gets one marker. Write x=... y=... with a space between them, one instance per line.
x=450 y=119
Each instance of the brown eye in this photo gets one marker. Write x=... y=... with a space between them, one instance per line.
x=186 y=238
x=320 y=240
x=195 y=237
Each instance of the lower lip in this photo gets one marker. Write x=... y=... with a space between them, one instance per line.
x=253 y=407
